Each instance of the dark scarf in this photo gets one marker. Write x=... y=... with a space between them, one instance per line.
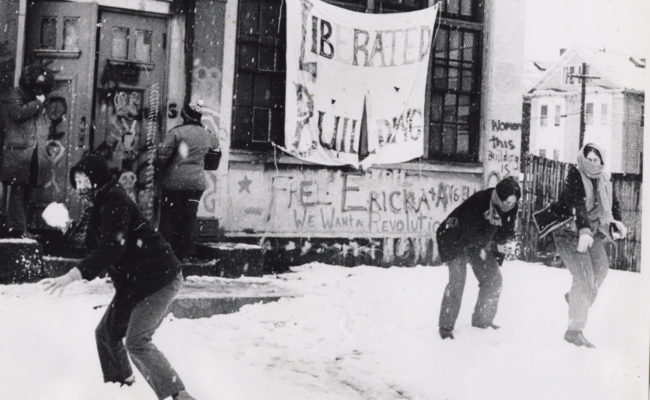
x=493 y=214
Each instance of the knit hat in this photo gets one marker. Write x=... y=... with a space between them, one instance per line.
x=37 y=79
x=95 y=167
x=192 y=112
x=508 y=187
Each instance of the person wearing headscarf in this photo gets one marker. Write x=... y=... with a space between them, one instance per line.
x=587 y=196
x=20 y=110
x=145 y=273
x=477 y=232
x=181 y=159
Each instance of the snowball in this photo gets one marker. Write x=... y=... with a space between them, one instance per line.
x=56 y=215
x=183 y=150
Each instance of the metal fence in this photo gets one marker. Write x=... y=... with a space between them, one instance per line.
x=542 y=183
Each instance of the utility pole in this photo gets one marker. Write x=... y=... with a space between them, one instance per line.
x=583 y=78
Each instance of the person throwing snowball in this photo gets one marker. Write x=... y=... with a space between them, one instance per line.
x=477 y=232
x=145 y=273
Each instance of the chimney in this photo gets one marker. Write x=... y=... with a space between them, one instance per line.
x=562 y=51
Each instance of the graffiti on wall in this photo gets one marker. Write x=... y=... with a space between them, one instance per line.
x=129 y=142
x=54 y=149
x=211 y=120
x=503 y=150
x=206 y=82
x=375 y=203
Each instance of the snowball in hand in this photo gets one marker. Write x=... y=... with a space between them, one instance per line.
x=56 y=215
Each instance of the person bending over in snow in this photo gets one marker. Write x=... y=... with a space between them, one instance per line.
x=477 y=232
x=588 y=196
x=146 y=275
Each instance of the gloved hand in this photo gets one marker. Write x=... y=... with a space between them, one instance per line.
x=40 y=98
x=483 y=254
x=620 y=231
x=584 y=242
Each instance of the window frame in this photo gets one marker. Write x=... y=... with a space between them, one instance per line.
x=543 y=115
x=468 y=20
x=589 y=114
x=557 y=117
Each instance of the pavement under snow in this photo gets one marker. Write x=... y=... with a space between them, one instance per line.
x=348 y=333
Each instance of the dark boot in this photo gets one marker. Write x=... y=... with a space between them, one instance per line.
x=446 y=333
x=578 y=339
x=128 y=381
x=183 y=395
x=485 y=326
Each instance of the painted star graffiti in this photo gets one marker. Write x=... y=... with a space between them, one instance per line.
x=244 y=184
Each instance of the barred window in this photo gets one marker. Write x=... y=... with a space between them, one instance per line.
x=453 y=97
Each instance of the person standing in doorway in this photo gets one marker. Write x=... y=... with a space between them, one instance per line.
x=477 y=232
x=145 y=273
x=181 y=159
x=20 y=110
x=587 y=195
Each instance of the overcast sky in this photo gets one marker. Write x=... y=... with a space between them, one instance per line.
x=617 y=25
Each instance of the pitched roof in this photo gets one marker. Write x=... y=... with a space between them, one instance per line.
x=616 y=70
x=534 y=70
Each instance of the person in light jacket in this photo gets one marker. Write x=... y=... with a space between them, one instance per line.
x=477 y=232
x=145 y=273
x=587 y=195
x=181 y=159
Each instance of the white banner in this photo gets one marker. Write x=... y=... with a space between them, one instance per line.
x=355 y=84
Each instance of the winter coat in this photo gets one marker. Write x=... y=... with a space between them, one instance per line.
x=121 y=240
x=467 y=228
x=181 y=157
x=23 y=123
x=572 y=201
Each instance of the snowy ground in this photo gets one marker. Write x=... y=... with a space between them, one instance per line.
x=360 y=333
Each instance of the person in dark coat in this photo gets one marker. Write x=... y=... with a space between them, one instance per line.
x=19 y=112
x=145 y=273
x=587 y=196
x=181 y=158
x=477 y=232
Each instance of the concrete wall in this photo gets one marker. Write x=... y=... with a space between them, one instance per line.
x=503 y=46
x=211 y=54
x=326 y=202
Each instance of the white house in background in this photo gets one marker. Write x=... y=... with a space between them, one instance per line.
x=613 y=108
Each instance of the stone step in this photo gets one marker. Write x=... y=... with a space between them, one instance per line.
x=192 y=308
x=22 y=260
x=227 y=260
x=202 y=297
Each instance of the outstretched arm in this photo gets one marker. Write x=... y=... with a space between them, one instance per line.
x=59 y=284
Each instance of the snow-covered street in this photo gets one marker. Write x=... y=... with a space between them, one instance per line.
x=351 y=333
